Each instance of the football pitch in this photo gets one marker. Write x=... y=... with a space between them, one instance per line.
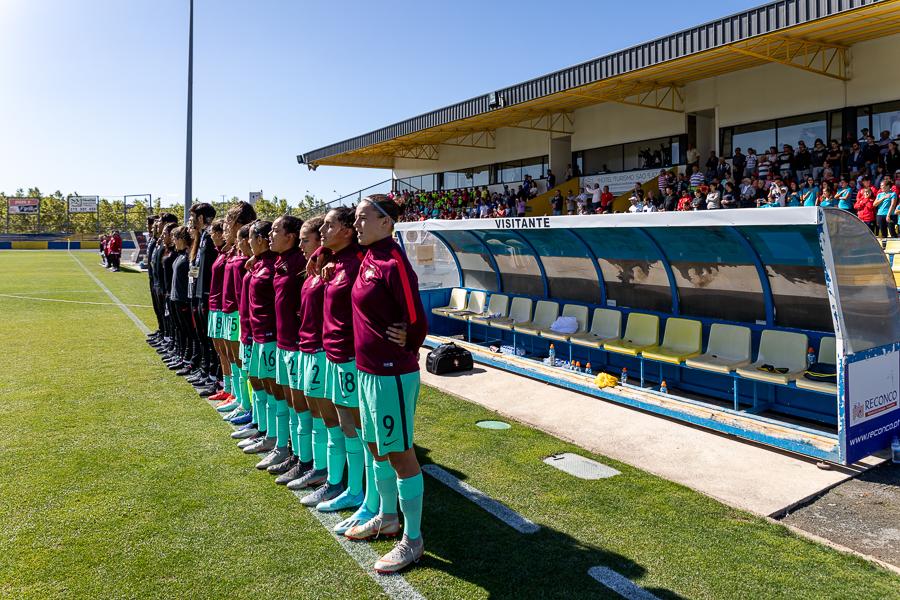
x=118 y=481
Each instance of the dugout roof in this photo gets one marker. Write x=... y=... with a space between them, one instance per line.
x=776 y=267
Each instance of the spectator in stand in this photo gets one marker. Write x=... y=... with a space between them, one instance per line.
x=892 y=158
x=738 y=163
x=551 y=180
x=593 y=198
x=698 y=202
x=871 y=154
x=571 y=203
x=809 y=194
x=711 y=163
x=842 y=196
x=835 y=156
x=697 y=178
x=635 y=205
x=856 y=161
x=670 y=200
x=785 y=161
x=693 y=156
x=793 y=194
x=606 y=200
x=730 y=197
x=647 y=206
x=883 y=143
x=520 y=206
x=827 y=198
x=818 y=158
x=684 y=202
x=713 y=197
x=802 y=164
x=556 y=203
x=865 y=208
x=765 y=165
x=752 y=163
x=662 y=180
x=885 y=209
x=723 y=170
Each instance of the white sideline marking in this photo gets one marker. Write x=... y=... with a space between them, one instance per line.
x=140 y=324
x=498 y=509
x=20 y=297
x=620 y=584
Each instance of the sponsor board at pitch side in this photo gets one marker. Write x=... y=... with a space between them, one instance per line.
x=872 y=402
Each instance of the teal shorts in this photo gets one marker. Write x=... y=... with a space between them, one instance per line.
x=245 y=351
x=313 y=373
x=340 y=383
x=216 y=324
x=387 y=408
x=232 y=330
x=286 y=368
x=262 y=360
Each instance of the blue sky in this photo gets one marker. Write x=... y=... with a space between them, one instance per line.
x=94 y=91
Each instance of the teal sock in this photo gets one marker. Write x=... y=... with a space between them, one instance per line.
x=319 y=444
x=282 y=423
x=411 y=491
x=246 y=402
x=226 y=381
x=304 y=431
x=271 y=415
x=337 y=455
x=371 y=500
x=355 y=464
x=294 y=425
x=235 y=387
x=386 y=484
x=260 y=409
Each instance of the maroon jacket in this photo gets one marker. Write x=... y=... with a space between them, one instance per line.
x=289 y=270
x=231 y=283
x=387 y=292
x=244 y=310
x=262 y=298
x=216 y=279
x=337 y=312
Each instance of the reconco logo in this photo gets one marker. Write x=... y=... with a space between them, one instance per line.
x=876 y=405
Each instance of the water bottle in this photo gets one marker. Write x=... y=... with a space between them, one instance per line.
x=624 y=377
x=895 y=450
x=577 y=367
x=587 y=369
x=552 y=356
x=810 y=357
x=662 y=387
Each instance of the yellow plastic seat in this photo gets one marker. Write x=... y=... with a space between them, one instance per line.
x=891 y=247
x=605 y=326
x=457 y=302
x=683 y=339
x=780 y=349
x=580 y=313
x=475 y=306
x=641 y=331
x=519 y=312
x=827 y=354
x=545 y=313
x=498 y=305
x=728 y=349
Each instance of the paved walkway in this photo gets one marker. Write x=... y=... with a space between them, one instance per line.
x=741 y=474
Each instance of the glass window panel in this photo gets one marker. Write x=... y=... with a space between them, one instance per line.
x=477 y=270
x=430 y=259
x=533 y=167
x=511 y=172
x=569 y=266
x=428 y=183
x=808 y=128
x=516 y=261
x=632 y=268
x=481 y=176
x=647 y=154
x=870 y=310
x=674 y=156
x=793 y=262
x=837 y=125
x=450 y=179
x=758 y=136
x=465 y=179
x=714 y=274
x=602 y=160
x=886 y=117
x=726 y=147
x=862 y=120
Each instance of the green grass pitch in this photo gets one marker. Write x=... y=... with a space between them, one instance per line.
x=118 y=481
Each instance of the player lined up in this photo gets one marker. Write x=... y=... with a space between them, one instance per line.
x=317 y=328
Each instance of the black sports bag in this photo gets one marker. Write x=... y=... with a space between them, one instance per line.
x=448 y=358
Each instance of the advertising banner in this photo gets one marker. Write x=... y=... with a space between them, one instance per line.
x=620 y=182
x=23 y=206
x=83 y=204
x=871 y=400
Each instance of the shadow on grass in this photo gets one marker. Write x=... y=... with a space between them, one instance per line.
x=468 y=544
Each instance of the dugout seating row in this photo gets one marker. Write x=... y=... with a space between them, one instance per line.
x=781 y=358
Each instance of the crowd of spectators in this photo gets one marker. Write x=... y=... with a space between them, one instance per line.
x=861 y=176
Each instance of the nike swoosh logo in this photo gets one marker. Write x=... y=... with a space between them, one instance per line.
x=389 y=443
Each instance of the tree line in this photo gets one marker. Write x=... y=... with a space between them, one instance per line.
x=54 y=217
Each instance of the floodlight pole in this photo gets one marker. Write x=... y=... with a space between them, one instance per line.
x=188 y=193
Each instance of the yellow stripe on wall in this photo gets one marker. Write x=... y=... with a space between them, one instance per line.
x=29 y=245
